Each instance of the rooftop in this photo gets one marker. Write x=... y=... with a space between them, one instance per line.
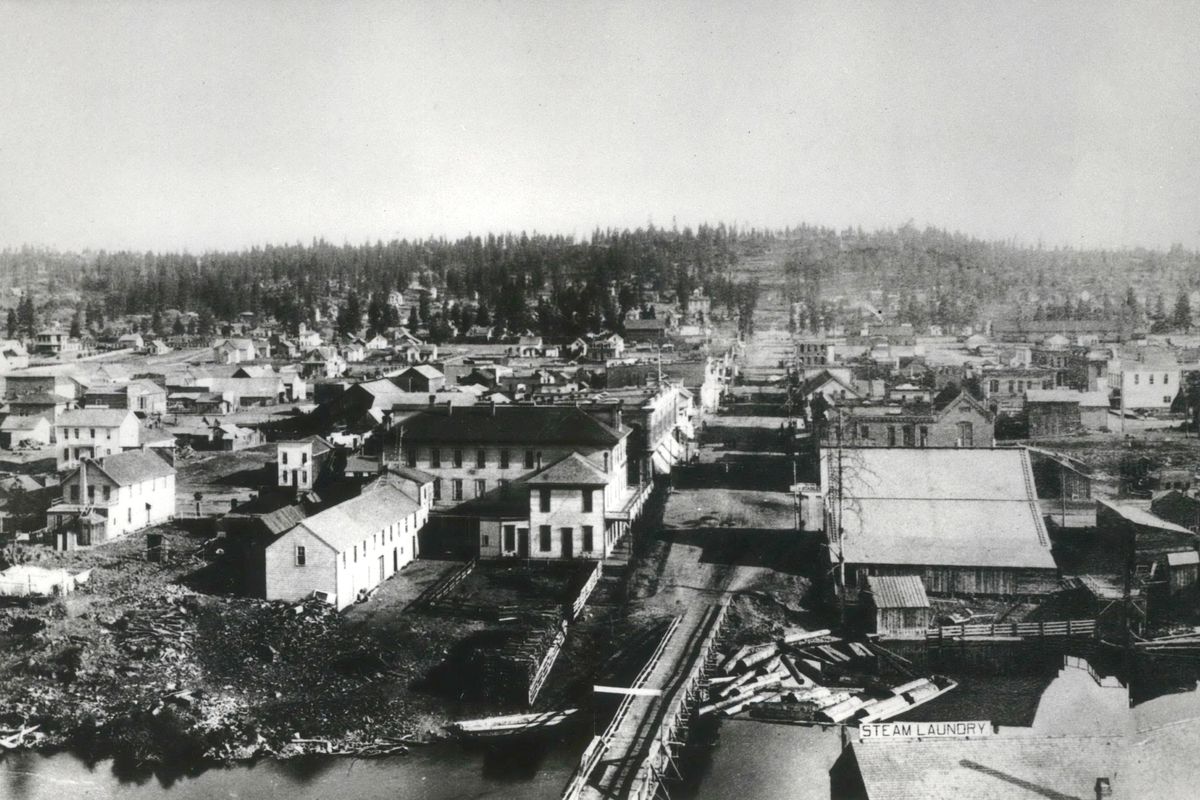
x=954 y=507
x=898 y=591
x=348 y=523
x=510 y=424
x=131 y=467
x=94 y=417
x=571 y=470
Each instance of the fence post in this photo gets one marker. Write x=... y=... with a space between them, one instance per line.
x=1068 y=627
x=1041 y=630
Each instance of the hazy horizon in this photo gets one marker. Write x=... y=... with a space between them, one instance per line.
x=222 y=125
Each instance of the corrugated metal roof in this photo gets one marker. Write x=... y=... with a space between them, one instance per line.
x=898 y=591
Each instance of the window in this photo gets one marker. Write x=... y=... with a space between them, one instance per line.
x=355 y=554
x=891 y=435
x=606 y=462
x=91 y=494
x=1166 y=378
x=486 y=540
x=966 y=435
x=510 y=537
x=77 y=433
x=435 y=457
x=301 y=555
x=543 y=500
x=304 y=458
x=995 y=386
x=411 y=456
x=457 y=457
x=544 y=538
x=283 y=457
x=480 y=458
x=480 y=487
x=92 y=431
x=587 y=538
x=528 y=459
x=503 y=459
x=587 y=500
x=1137 y=379
x=456 y=489
x=924 y=431
x=1010 y=387
x=864 y=431
x=437 y=489
x=74 y=494
x=1151 y=379
x=909 y=436
x=304 y=476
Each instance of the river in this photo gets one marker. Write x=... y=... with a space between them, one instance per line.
x=442 y=771
x=747 y=759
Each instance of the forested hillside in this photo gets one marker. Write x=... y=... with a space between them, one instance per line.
x=562 y=286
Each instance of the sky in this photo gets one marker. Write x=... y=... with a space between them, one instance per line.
x=193 y=125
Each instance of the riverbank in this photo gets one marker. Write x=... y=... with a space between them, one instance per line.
x=147 y=665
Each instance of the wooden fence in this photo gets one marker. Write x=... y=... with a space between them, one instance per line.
x=1024 y=630
x=586 y=590
x=445 y=585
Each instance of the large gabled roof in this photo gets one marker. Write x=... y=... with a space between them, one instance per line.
x=380 y=505
x=94 y=417
x=949 y=507
x=511 y=424
x=131 y=467
x=571 y=470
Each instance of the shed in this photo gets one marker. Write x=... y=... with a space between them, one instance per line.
x=1183 y=570
x=902 y=609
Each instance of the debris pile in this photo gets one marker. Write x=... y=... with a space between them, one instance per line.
x=814 y=676
x=514 y=664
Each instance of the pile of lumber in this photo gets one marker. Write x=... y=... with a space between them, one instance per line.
x=794 y=671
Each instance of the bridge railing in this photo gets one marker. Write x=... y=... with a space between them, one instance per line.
x=595 y=750
x=1025 y=630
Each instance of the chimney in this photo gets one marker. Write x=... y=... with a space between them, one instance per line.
x=1103 y=788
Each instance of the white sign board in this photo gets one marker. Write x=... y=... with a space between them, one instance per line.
x=879 y=731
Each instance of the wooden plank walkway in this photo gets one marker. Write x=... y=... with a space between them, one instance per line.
x=613 y=762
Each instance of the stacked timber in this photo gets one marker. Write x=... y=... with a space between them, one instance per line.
x=815 y=677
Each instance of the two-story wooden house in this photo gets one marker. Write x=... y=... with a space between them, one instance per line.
x=110 y=497
x=94 y=433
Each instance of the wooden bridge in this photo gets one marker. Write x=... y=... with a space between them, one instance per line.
x=631 y=757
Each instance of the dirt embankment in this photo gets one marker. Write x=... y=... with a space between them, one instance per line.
x=139 y=665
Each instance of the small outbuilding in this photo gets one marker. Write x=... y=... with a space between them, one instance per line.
x=901 y=607
x=1183 y=570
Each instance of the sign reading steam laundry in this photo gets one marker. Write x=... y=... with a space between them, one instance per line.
x=878 y=731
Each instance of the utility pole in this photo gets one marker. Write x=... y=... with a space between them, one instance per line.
x=840 y=528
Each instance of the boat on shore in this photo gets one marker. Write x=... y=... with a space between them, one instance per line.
x=510 y=725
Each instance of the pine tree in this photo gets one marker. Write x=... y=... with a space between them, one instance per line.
x=12 y=323
x=1182 y=318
